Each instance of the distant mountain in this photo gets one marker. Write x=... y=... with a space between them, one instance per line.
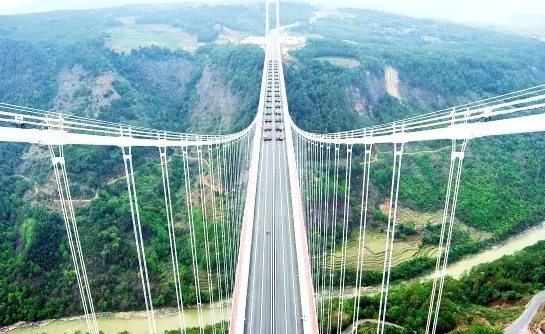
x=458 y=11
x=33 y=6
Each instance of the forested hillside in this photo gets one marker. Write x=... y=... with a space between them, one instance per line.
x=184 y=68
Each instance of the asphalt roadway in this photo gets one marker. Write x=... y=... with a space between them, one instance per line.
x=523 y=321
x=273 y=302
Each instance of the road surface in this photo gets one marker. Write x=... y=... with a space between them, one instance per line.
x=273 y=302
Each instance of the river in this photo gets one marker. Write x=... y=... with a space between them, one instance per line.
x=135 y=322
x=525 y=239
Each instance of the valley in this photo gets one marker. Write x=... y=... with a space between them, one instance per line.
x=344 y=69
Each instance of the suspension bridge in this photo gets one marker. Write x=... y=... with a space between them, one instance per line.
x=270 y=220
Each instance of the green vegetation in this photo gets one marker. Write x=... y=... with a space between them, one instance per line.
x=319 y=86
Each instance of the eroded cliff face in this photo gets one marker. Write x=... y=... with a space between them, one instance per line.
x=216 y=106
x=364 y=98
x=80 y=92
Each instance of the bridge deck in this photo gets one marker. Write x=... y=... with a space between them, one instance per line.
x=273 y=302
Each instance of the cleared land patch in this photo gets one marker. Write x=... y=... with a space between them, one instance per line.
x=133 y=36
x=339 y=61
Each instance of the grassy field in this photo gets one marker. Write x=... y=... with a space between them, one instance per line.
x=347 y=62
x=132 y=36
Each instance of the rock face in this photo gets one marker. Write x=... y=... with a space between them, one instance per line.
x=81 y=93
x=363 y=99
x=216 y=104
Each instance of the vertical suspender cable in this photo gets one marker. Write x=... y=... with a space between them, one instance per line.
x=441 y=240
x=333 y=232
x=362 y=234
x=327 y=171
x=315 y=247
x=348 y=182
x=59 y=167
x=78 y=248
x=232 y=197
x=193 y=241
x=224 y=244
x=171 y=236
x=312 y=210
x=460 y=157
x=242 y=148
x=390 y=235
x=206 y=235
x=135 y=215
x=227 y=208
x=214 y=222
x=321 y=225
x=61 y=176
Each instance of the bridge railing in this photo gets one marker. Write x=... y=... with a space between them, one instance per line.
x=47 y=123
x=512 y=105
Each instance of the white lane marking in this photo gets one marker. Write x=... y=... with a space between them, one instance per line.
x=263 y=242
x=291 y=243
x=285 y=195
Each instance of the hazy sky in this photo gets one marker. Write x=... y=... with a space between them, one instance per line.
x=457 y=10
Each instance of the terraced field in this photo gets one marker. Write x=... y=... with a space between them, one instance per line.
x=419 y=218
x=404 y=250
x=373 y=255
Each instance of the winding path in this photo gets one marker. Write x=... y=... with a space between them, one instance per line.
x=350 y=329
x=523 y=321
